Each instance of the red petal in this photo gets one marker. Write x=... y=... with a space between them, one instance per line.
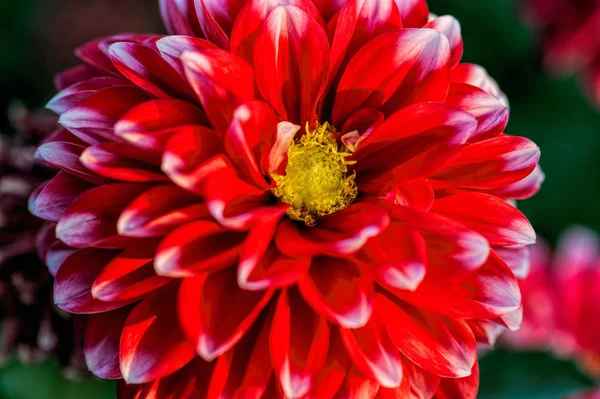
x=403 y=391
x=285 y=138
x=357 y=385
x=449 y=26
x=262 y=265
x=216 y=19
x=417 y=194
x=93 y=119
x=215 y=313
x=328 y=8
x=65 y=156
x=413 y=142
x=523 y=189
x=179 y=17
x=144 y=66
x=299 y=341
x=464 y=388
x=498 y=221
x=291 y=59
x=91 y=220
x=129 y=276
x=399 y=257
x=151 y=124
x=191 y=154
x=159 y=211
x=249 y=140
x=415 y=13
x=221 y=81
x=73 y=284
x=252 y=18
x=334 y=371
x=358 y=22
x=102 y=336
x=491 y=164
x=122 y=162
x=341 y=233
x=449 y=244
x=340 y=289
x=95 y=53
x=517 y=258
x=172 y=48
x=439 y=344
x=394 y=70
x=78 y=92
x=374 y=353
x=491 y=114
x=422 y=384
x=51 y=200
x=74 y=75
x=477 y=76
x=197 y=247
x=152 y=344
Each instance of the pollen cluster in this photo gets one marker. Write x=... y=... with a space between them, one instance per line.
x=316 y=181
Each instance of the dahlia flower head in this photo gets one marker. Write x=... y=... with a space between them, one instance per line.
x=568 y=32
x=286 y=199
x=560 y=300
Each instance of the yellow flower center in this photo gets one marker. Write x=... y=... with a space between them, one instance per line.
x=316 y=181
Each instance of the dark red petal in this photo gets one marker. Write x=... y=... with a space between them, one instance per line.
x=394 y=70
x=71 y=76
x=172 y=48
x=341 y=233
x=197 y=247
x=123 y=162
x=249 y=140
x=299 y=341
x=522 y=189
x=498 y=221
x=291 y=60
x=73 y=284
x=216 y=19
x=252 y=18
x=130 y=275
x=358 y=22
x=491 y=164
x=51 y=200
x=399 y=257
x=475 y=75
x=450 y=245
x=415 y=13
x=340 y=289
x=374 y=353
x=449 y=26
x=221 y=81
x=464 y=388
x=262 y=265
x=438 y=344
x=144 y=66
x=64 y=155
x=413 y=142
x=159 y=211
x=151 y=124
x=91 y=220
x=57 y=254
x=357 y=385
x=152 y=344
x=334 y=371
x=95 y=53
x=94 y=118
x=215 y=313
x=179 y=17
x=328 y=8
x=191 y=155
x=102 y=336
x=490 y=292
x=78 y=92
x=491 y=114
x=422 y=384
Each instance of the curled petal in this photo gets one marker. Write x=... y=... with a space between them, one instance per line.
x=51 y=200
x=374 y=353
x=423 y=385
x=278 y=156
x=172 y=48
x=466 y=387
x=417 y=194
x=340 y=289
x=475 y=75
x=215 y=313
x=74 y=75
x=415 y=13
x=78 y=92
x=299 y=341
x=65 y=156
x=449 y=26
x=291 y=60
x=523 y=189
x=179 y=17
x=195 y=248
x=152 y=345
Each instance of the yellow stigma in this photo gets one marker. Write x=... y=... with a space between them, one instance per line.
x=316 y=181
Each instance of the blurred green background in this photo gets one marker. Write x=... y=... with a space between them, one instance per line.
x=37 y=38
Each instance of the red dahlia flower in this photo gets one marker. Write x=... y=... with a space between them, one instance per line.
x=569 y=32
x=560 y=301
x=287 y=199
